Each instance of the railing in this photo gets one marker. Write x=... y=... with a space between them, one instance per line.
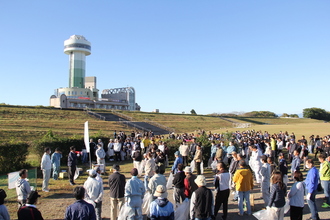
x=121 y=115
x=131 y=124
x=95 y=115
x=159 y=125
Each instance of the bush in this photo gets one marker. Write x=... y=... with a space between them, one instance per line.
x=13 y=157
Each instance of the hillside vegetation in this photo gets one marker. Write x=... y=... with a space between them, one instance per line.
x=21 y=123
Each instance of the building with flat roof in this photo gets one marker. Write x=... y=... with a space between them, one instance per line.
x=82 y=91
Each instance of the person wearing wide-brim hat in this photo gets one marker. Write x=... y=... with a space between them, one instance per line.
x=202 y=203
x=161 y=208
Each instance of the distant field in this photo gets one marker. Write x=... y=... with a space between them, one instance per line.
x=299 y=129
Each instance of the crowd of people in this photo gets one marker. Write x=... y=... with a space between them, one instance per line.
x=250 y=160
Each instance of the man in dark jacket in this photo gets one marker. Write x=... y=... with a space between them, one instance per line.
x=178 y=183
x=80 y=210
x=117 y=183
x=72 y=164
x=201 y=204
x=30 y=211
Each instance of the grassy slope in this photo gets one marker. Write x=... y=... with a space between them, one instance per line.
x=19 y=123
x=27 y=123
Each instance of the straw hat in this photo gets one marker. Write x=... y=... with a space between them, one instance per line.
x=200 y=180
x=161 y=191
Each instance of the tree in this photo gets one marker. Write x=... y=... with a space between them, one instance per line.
x=285 y=115
x=193 y=112
x=294 y=116
x=316 y=113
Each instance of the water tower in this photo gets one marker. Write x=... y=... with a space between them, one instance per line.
x=77 y=47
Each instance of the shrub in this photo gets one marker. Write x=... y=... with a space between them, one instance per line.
x=13 y=157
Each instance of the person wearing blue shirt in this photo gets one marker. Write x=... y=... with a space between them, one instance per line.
x=161 y=208
x=311 y=182
x=56 y=162
x=230 y=149
x=213 y=150
x=295 y=164
x=178 y=160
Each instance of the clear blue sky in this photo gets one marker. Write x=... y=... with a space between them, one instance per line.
x=214 y=56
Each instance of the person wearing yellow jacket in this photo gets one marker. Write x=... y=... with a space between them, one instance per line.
x=243 y=180
x=325 y=179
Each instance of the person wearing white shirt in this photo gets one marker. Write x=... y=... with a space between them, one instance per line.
x=94 y=193
x=46 y=166
x=221 y=184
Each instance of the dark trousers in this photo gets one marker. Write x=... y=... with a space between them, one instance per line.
x=296 y=213
x=117 y=156
x=72 y=171
x=185 y=160
x=198 y=167
x=222 y=198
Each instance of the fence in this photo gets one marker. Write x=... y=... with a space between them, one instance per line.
x=11 y=193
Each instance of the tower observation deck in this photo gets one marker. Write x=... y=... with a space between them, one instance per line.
x=77 y=47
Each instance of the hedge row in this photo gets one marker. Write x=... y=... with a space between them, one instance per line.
x=13 y=157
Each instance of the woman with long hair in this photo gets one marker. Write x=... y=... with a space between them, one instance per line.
x=277 y=196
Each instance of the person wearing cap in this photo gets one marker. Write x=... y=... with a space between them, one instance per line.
x=134 y=193
x=100 y=157
x=30 y=211
x=222 y=182
x=56 y=162
x=23 y=188
x=81 y=209
x=161 y=208
x=243 y=180
x=46 y=167
x=72 y=164
x=157 y=179
x=201 y=204
x=178 y=160
x=116 y=183
x=189 y=182
x=94 y=192
x=4 y=215
x=98 y=174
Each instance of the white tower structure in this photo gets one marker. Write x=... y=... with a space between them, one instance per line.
x=77 y=47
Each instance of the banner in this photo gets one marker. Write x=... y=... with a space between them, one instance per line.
x=86 y=137
x=12 y=178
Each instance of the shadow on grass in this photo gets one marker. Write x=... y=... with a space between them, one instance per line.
x=59 y=196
